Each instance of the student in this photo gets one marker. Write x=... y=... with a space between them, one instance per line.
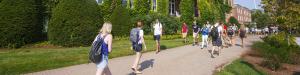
x=216 y=38
x=231 y=33
x=205 y=32
x=242 y=33
x=105 y=32
x=184 y=31
x=225 y=41
x=196 y=30
x=138 y=35
x=157 y=34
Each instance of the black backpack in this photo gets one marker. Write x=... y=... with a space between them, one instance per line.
x=214 y=33
x=230 y=31
x=95 y=54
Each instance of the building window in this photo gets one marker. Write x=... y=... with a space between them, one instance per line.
x=172 y=7
x=99 y=1
x=130 y=3
x=154 y=5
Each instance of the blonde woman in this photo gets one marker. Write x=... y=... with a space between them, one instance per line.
x=242 y=33
x=105 y=33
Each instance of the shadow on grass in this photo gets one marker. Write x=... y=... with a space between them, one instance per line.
x=251 y=66
x=163 y=47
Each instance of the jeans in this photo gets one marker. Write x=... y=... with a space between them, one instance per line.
x=204 y=40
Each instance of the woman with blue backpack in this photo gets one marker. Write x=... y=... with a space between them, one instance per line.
x=137 y=40
x=205 y=32
x=102 y=42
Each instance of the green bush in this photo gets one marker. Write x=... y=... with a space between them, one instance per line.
x=74 y=23
x=121 y=21
x=276 y=50
x=19 y=23
x=141 y=7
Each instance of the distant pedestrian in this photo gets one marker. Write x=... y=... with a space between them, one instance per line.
x=231 y=33
x=242 y=33
x=184 y=31
x=106 y=48
x=137 y=40
x=196 y=30
x=157 y=34
x=205 y=32
x=216 y=33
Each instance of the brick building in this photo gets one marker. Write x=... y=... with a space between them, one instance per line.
x=242 y=14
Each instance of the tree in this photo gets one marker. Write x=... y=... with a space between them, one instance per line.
x=107 y=8
x=205 y=9
x=74 y=23
x=19 y=22
x=260 y=18
x=233 y=20
x=187 y=11
x=121 y=21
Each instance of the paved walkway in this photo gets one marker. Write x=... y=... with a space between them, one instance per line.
x=185 y=60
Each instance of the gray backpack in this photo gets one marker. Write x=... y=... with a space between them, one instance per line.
x=134 y=35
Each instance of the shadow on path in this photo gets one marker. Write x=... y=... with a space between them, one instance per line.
x=144 y=65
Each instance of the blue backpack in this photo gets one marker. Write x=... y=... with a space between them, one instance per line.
x=205 y=31
x=95 y=54
x=134 y=36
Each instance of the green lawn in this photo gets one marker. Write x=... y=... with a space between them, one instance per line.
x=26 y=60
x=240 y=67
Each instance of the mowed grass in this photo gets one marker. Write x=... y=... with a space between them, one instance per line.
x=240 y=67
x=27 y=60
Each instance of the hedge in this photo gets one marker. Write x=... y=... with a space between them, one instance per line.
x=74 y=23
x=19 y=23
x=187 y=11
x=121 y=21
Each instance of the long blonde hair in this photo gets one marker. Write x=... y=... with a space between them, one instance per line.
x=106 y=28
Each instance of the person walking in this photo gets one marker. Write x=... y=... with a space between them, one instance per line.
x=184 y=31
x=196 y=30
x=137 y=40
x=242 y=34
x=106 y=48
x=231 y=33
x=205 y=32
x=216 y=33
x=157 y=34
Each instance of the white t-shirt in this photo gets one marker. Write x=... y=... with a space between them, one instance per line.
x=157 y=28
x=141 y=34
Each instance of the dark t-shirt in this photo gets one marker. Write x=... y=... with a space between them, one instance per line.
x=196 y=28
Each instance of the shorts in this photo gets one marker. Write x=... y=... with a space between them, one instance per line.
x=184 y=35
x=137 y=48
x=103 y=62
x=157 y=37
x=195 y=35
x=217 y=42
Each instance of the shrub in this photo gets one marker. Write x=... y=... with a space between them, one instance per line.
x=141 y=7
x=121 y=21
x=19 y=23
x=74 y=23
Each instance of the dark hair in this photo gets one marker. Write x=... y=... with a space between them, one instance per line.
x=139 y=24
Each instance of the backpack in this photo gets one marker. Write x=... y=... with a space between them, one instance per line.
x=230 y=31
x=134 y=36
x=205 y=30
x=214 y=33
x=95 y=54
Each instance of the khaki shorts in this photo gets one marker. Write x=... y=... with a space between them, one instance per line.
x=195 y=35
x=184 y=35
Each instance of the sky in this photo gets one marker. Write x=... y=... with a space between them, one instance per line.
x=249 y=3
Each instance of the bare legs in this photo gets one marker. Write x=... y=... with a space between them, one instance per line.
x=157 y=46
x=136 y=62
x=104 y=71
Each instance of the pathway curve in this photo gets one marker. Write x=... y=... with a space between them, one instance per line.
x=185 y=60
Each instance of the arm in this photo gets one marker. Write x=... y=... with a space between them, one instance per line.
x=109 y=42
x=142 y=39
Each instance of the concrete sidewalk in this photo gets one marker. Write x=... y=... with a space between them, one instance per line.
x=185 y=60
